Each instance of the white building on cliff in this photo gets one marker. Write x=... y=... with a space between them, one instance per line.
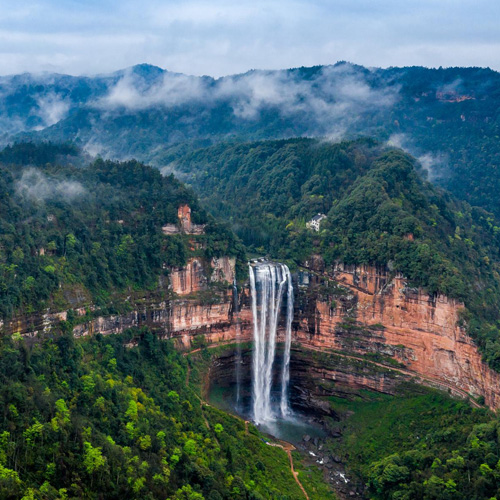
x=315 y=222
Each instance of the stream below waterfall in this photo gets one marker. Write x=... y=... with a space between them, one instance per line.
x=292 y=429
x=263 y=395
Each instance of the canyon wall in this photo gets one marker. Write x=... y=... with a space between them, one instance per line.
x=168 y=310
x=361 y=312
x=373 y=311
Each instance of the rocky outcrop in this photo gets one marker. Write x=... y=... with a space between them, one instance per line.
x=207 y=311
x=181 y=320
x=196 y=275
x=223 y=269
x=374 y=311
x=360 y=311
x=188 y=279
x=315 y=376
x=184 y=225
x=214 y=321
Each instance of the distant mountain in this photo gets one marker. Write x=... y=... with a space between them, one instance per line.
x=448 y=118
x=33 y=102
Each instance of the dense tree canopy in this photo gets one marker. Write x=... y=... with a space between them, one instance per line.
x=67 y=231
x=380 y=209
x=100 y=419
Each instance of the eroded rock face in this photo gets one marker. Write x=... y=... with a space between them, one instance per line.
x=195 y=275
x=178 y=319
x=214 y=321
x=376 y=312
x=313 y=378
x=354 y=310
x=188 y=279
x=206 y=311
x=223 y=269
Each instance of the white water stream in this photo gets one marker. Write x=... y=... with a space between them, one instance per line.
x=268 y=282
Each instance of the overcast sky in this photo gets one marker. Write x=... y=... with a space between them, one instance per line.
x=220 y=37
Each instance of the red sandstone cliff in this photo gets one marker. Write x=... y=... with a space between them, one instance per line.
x=416 y=329
x=194 y=276
x=372 y=311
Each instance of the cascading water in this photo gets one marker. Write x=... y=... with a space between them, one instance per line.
x=267 y=284
x=285 y=374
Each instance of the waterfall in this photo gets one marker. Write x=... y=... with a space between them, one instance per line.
x=267 y=284
x=285 y=373
x=238 y=340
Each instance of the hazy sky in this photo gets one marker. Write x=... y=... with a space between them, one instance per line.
x=219 y=37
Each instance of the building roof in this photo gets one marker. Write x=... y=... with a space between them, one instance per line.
x=318 y=217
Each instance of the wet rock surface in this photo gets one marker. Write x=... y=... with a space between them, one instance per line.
x=318 y=451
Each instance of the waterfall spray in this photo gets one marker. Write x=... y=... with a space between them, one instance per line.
x=267 y=284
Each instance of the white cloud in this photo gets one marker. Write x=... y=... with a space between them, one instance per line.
x=435 y=164
x=174 y=89
x=36 y=186
x=219 y=37
x=52 y=108
x=329 y=101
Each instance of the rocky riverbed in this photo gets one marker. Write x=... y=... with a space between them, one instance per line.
x=320 y=451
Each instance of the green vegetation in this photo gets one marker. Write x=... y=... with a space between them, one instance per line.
x=421 y=445
x=97 y=419
x=70 y=236
x=380 y=212
x=310 y=476
x=449 y=116
x=39 y=154
x=92 y=418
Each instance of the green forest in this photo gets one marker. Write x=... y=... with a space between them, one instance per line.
x=450 y=116
x=72 y=236
x=112 y=417
x=380 y=210
x=115 y=416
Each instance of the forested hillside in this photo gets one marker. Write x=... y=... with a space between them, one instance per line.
x=101 y=419
x=72 y=235
x=106 y=415
x=380 y=211
x=449 y=117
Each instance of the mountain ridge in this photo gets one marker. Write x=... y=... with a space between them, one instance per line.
x=449 y=118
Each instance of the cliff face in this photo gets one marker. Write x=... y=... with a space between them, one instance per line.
x=194 y=276
x=188 y=279
x=215 y=321
x=354 y=310
x=209 y=313
x=374 y=312
x=178 y=319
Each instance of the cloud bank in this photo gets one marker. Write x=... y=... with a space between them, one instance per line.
x=330 y=99
x=219 y=37
x=36 y=186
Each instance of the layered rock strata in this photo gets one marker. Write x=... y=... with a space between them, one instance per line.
x=360 y=311
x=374 y=311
